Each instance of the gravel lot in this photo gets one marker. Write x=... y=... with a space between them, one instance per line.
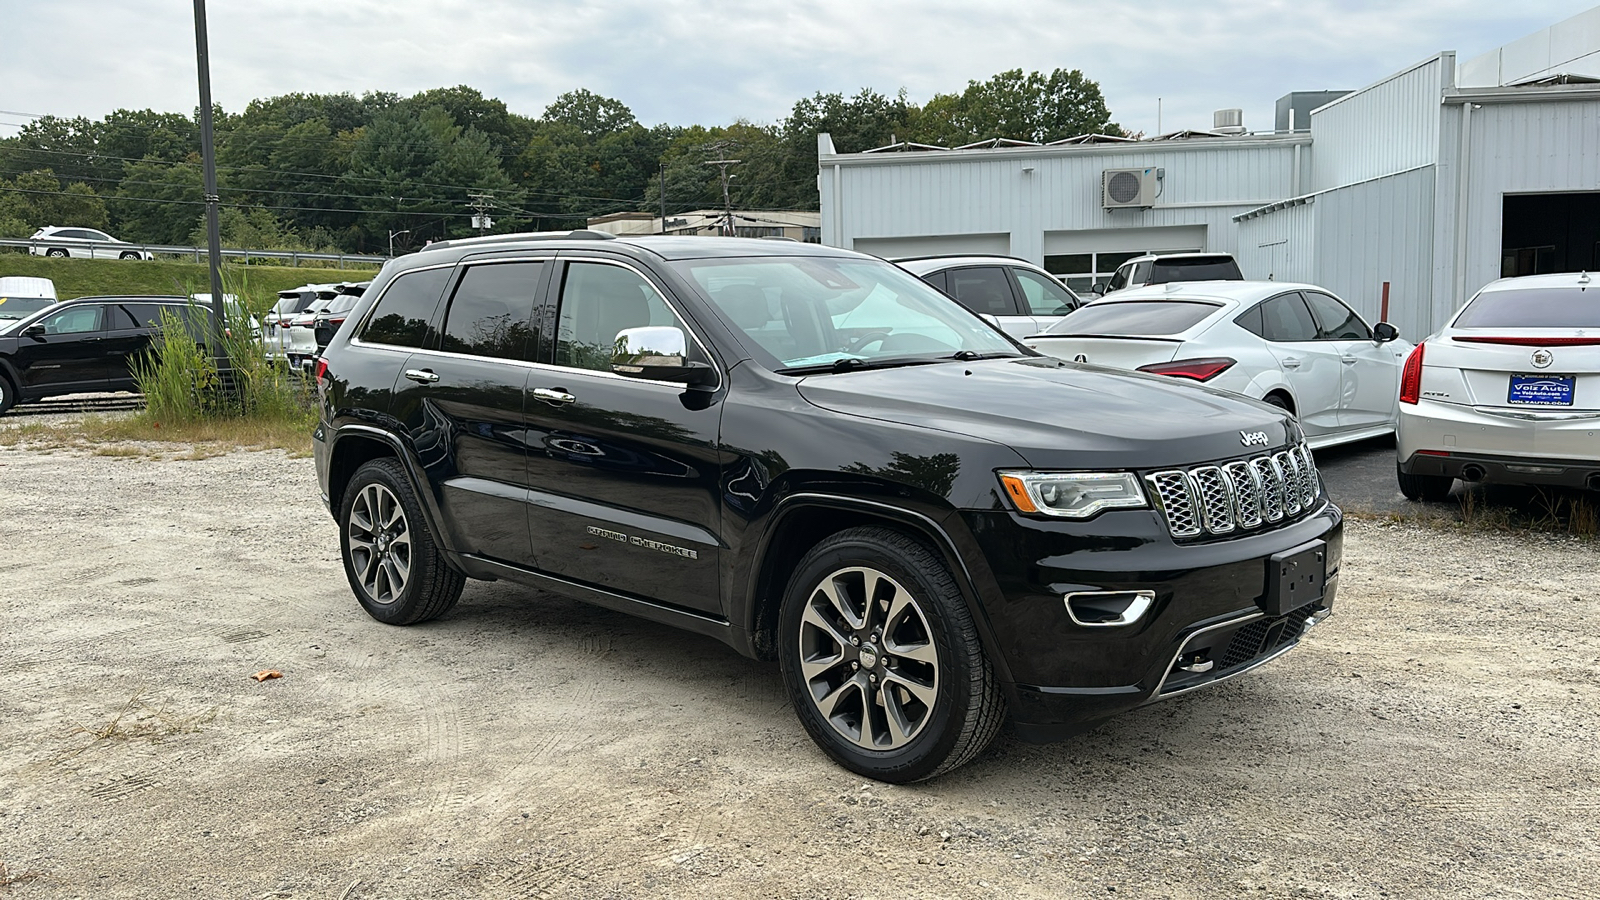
x=1435 y=738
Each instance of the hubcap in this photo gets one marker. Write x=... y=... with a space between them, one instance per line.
x=868 y=659
x=380 y=543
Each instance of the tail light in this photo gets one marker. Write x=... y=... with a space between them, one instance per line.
x=1531 y=341
x=1411 y=377
x=337 y=322
x=321 y=371
x=1198 y=369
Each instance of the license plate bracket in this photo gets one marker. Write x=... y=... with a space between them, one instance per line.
x=1296 y=577
x=1543 y=389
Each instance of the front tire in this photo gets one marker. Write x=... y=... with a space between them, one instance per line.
x=129 y=254
x=1424 y=487
x=882 y=660
x=57 y=252
x=8 y=395
x=393 y=563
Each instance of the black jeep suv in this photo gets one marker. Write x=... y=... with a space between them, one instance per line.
x=815 y=457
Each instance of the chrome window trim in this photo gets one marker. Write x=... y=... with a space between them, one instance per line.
x=678 y=387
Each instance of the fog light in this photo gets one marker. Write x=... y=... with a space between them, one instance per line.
x=1108 y=609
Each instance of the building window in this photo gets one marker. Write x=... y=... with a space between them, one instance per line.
x=757 y=231
x=811 y=235
x=1081 y=271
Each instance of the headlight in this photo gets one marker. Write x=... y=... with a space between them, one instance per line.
x=1072 y=495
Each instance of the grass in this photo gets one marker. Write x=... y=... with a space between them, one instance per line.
x=91 y=277
x=142 y=435
x=1503 y=510
x=139 y=720
x=9 y=878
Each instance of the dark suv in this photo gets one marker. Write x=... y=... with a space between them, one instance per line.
x=817 y=458
x=79 y=346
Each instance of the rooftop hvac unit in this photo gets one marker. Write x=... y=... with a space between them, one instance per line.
x=1228 y=121
x=1128 y=188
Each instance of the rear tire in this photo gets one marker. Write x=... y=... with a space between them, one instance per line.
x=1279 y=401
x=129 y=254
x=393 y=563
x=57 y=252
x=1424 y=487
x=8 y=395
x=882 y=660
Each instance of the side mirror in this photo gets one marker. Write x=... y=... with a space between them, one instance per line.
x=657 y=353
x=34 y=331
x=1098 y=289
x=1383 y=332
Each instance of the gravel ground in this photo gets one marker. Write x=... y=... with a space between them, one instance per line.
x=1435 y=738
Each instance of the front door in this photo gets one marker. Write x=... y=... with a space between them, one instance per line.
x=623 y=473
x=69 y=357
x=1311 y=366
x=1370 y=384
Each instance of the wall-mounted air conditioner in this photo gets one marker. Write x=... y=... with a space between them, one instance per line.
x=1128 y=188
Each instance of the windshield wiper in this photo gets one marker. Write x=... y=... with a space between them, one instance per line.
x=853 y=363
x=973 y=355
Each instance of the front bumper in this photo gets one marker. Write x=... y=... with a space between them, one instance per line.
x=1211 y=604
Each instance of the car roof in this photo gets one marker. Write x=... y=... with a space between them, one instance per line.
x=1186 y=254
x=1238 y=291
x=670 y=247
x=925 y=264
x=1558 y=279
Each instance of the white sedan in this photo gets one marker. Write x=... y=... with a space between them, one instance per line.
x=1508 y=392
x=1295 y=346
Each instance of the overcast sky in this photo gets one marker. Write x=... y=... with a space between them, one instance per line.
x=712 y=62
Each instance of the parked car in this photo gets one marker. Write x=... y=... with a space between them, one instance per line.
x=310 y=331
x=1015 y=294
x=1295 y=346
x=1508 y=392
x=1164 y=268
x=85 y=243
x=815 y=457
x=328 y=320
x=276 y=321
x=82 y=345
x=21 y=295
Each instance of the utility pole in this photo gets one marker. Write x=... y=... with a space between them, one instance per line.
x=663 y=198
x=208 y=161
x=481 y=204
x=727 y=204
x=392 y=236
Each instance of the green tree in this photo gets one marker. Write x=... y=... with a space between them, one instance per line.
x=156 y=202
x=34 y=200
x=1016 y=106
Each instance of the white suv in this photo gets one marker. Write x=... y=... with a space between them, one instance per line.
x=1508 y=392
x=1014 y=294
x=84 y=243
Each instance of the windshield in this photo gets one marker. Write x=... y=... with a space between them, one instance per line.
x=1135 y=317
x=13 y=309
x=1553 y=307
x=805 y=313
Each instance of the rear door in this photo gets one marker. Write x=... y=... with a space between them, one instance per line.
x=988 y=291
x=460 y=399
x=1312 y=367
x=624 y=473
x=129 y=326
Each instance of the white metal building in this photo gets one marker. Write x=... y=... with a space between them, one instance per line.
x=1437 y=179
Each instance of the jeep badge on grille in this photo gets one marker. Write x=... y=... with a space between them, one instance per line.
x=1254 y=438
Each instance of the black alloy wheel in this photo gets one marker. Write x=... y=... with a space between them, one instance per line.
x=882 y=660
x=394 y=566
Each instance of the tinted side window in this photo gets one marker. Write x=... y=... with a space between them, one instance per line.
x=1337 y=321
x=1044 y=296
x=404 y=316
x=936 y=279
x=1141 y=274
x=492 y=311
x=1250 y=321
x=1286 y=319
x=77 y=320
x=133 y=315
x=1119 y=280
x=983 y=289
x=597 y=302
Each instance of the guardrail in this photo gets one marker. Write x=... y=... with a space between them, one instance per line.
x=199 y=253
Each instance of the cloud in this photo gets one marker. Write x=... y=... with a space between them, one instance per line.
x=715 y=61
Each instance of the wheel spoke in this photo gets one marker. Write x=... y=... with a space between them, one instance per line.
x=830 y=588
x=901 y=728
x=361 y=516
x=816 y=667
x=923 y=652
x=925 y=693
x=815 y=619
x=897 y=608
x=391 y=572
x=829 y=703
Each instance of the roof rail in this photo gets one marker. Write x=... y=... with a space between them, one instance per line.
x=904 y=259
x=580 y=234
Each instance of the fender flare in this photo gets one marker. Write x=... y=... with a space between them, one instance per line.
x=926 y=526
x=408 y=461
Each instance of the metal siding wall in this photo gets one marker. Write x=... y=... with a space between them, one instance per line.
x=1380 y=231
x=1386 y=128
x=1523 y=148
x=988 y=192
x=1280 y=245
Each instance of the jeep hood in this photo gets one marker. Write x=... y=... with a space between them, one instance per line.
x=1060 y=415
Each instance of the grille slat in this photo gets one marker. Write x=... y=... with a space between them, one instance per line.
x=1238 y=495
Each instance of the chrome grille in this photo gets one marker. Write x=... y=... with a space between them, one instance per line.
x=1238 y=495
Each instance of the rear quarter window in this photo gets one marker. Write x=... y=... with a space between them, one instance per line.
x=404 y=316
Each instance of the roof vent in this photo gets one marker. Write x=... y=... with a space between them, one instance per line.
x=1228 y=121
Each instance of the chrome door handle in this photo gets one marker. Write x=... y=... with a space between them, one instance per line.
x=1348 y=360
x=553 y=395
x=1291 y=363
x=422 y=376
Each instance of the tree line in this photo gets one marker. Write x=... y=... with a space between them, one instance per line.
x=340 y=172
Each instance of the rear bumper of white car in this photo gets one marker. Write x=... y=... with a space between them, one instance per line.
x=1507 y=446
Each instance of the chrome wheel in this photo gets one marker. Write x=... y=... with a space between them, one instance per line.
x=380 y=543
x=868 y=659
